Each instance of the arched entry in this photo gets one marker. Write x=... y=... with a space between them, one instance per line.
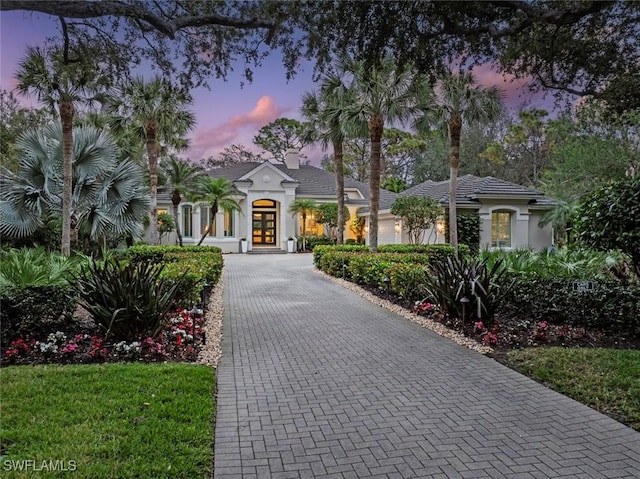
x=264 y=223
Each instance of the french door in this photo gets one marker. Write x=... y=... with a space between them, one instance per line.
x=264 y=228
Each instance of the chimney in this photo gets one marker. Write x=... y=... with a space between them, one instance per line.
x=292 y=159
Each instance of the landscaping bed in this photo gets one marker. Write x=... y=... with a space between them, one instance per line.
x=583 y=342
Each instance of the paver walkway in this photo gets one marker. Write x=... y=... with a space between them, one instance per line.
x=317 y=382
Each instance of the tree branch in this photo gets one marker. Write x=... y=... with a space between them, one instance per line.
x=135 y=11
x=533 y=15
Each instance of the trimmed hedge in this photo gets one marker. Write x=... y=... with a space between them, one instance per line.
x=311 y=241
x=35 y=311
x=610 y=306
x=372 y=268
x=438 y=252
x=202 y=263
x=332 y=263
x=320 y=250
x=405 y=272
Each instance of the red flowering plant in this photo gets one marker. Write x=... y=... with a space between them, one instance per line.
x=180 y=339
x=424 y=307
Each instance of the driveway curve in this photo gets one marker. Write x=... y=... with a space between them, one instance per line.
x=317 y=382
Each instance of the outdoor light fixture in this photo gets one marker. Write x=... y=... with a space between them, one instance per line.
x=464 y=301
x=397 y=225
x=440 y=226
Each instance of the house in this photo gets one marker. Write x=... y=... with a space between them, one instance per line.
x=509 y=213
x=265 y=191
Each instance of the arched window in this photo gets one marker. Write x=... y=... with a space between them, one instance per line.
x=501 y=228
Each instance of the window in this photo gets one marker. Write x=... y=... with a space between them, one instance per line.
x=501 y=229
x=228 y=223
x=187 y=221
x=205 y=217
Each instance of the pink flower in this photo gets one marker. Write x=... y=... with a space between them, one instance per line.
x=490 y=339
x=479 y=326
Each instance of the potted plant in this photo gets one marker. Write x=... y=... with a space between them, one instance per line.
x=291 y=244
x=243 y=245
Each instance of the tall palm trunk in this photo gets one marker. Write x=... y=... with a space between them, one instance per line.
x=338 y=159
x=66 y=118
x=212 y=218
x=376 y=128
x=176 y=199
x=152 y=153
x=455 y=127
x=304 y=230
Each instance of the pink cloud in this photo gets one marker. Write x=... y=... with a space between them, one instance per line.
x=210 y=140
x=264 y=112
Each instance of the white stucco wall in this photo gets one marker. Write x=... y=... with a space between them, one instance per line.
x=525 y=232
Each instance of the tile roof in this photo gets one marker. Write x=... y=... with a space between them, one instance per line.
x=312 y=181
x=470 y=189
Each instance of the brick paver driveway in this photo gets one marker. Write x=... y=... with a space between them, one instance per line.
x=317 y=382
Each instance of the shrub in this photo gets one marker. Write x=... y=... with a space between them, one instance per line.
x=437 y=252
x=369 y=269
x=37 y=267
x=609 y=219
x=336 y=263
x=202 y=264
x=320 y=250
x=457 y=278
x=468 y=230
x=408 y=280
x=33 y=311
x=312 y=241
x=160 y=253
x=563 y=263
x=127 y=301
x=610 y=305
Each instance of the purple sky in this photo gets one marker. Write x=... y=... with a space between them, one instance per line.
x=226 y=114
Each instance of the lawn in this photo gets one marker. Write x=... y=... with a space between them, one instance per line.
x=125 y=420
x=607 y=380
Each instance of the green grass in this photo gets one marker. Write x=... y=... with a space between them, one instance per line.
x=113 y=420
x=607 y=380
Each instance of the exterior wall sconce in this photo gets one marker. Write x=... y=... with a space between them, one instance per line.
x=397 y=225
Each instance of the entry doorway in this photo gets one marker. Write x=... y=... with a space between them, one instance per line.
x=264 y=221
x=264 y=228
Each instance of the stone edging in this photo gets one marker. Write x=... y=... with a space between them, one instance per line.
x=434 y=326
x=211 y=351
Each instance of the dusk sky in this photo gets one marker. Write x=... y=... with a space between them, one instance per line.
x=227 y=114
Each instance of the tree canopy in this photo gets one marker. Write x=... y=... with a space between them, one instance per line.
x=585 y=48
x=281 y=135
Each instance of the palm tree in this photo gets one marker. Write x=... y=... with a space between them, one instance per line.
x=182 y=178
x=219 y=194
x=458 y=101
x=58 y=84
x=324 y=111
x=381 y=94
x=156 y=112
x=303 y=207
x=107 y=196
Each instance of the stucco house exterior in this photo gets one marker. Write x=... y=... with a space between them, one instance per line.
x=509 y=213
x=265 y=191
